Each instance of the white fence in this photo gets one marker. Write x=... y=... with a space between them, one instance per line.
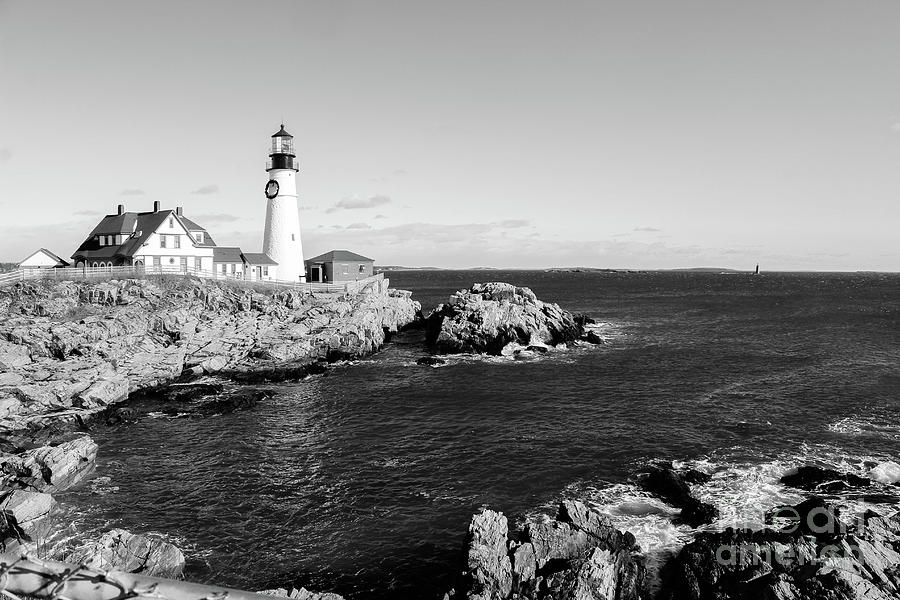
x=76 y=273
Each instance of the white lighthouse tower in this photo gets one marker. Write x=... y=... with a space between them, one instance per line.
x=281 y=240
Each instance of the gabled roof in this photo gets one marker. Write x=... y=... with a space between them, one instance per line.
x=145 y=223
x=340 y=255
x=59 y=261
x=257 y=258
x=227 y=254
x=192 y=227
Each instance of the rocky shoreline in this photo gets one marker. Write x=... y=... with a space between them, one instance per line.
x=816 y=549
x=73 y=353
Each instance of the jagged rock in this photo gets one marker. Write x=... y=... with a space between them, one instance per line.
x=133 y=553
x=103 y=392
x=122 y=336
x=578 y=556
x=24 y=517
x=237 y=400
x=430 y=361
x=834 y=562
x=821 y=480
x=663 y=481
x=487 y=317
x=593 y=338
x=488 y=568
x=13 y=355
x=301 y=594
x=50 y=468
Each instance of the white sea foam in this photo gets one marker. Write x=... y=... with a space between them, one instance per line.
x=886 y=472
x=865 y=426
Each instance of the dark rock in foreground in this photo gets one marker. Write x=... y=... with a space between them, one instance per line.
x=579 y=555
x=664 y=481
x=301 y=594
x=124 y=551
x=817 y=557
x=488 y=316
x=430 y=361
x=818 y=479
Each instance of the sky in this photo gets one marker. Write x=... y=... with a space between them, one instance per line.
x=464 y=134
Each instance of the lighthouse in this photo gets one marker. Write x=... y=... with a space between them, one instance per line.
x=281 y=239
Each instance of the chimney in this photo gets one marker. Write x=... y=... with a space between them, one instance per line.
x=178 y=210
x=156 y=206
x=121 y=209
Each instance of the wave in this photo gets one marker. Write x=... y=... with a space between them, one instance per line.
x=865 y=426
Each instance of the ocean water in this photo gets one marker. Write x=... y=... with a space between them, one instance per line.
x=363 y=481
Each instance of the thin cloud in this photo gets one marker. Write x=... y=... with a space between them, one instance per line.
x=5 y=154
x=379 y=216
x=514 y=223
x=647 y=229
x=206 y=190
x=358 y=203
x=359 y=226
x=215 y=218
x=896 y=127
x=133 y=192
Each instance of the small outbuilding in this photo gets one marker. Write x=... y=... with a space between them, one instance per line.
x=338 y=266
x=42 y=259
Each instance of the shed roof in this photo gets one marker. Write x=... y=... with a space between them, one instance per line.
x=227 y=254
x=258 y=258
x=339 y=255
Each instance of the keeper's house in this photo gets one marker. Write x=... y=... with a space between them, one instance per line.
x=338 y=266
x=42 y=259
x=164 y=240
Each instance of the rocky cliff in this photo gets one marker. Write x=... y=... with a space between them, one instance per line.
x=69 y=349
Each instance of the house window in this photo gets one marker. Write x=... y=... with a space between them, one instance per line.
x=156 y=261
x=184 y=264
x=198 y=264
x=178 y=241
x=362 y=268
x=171 y=223
x=199 y=236
x=233 y=266
x=171 y=260
x=224 y=267
x=265 y=271
x=292 y=237
x=345 y=269
x=162 y=241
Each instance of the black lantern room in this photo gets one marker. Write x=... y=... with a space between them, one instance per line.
x=281 y=156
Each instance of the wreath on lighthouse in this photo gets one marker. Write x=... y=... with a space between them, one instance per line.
x=271 y=189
